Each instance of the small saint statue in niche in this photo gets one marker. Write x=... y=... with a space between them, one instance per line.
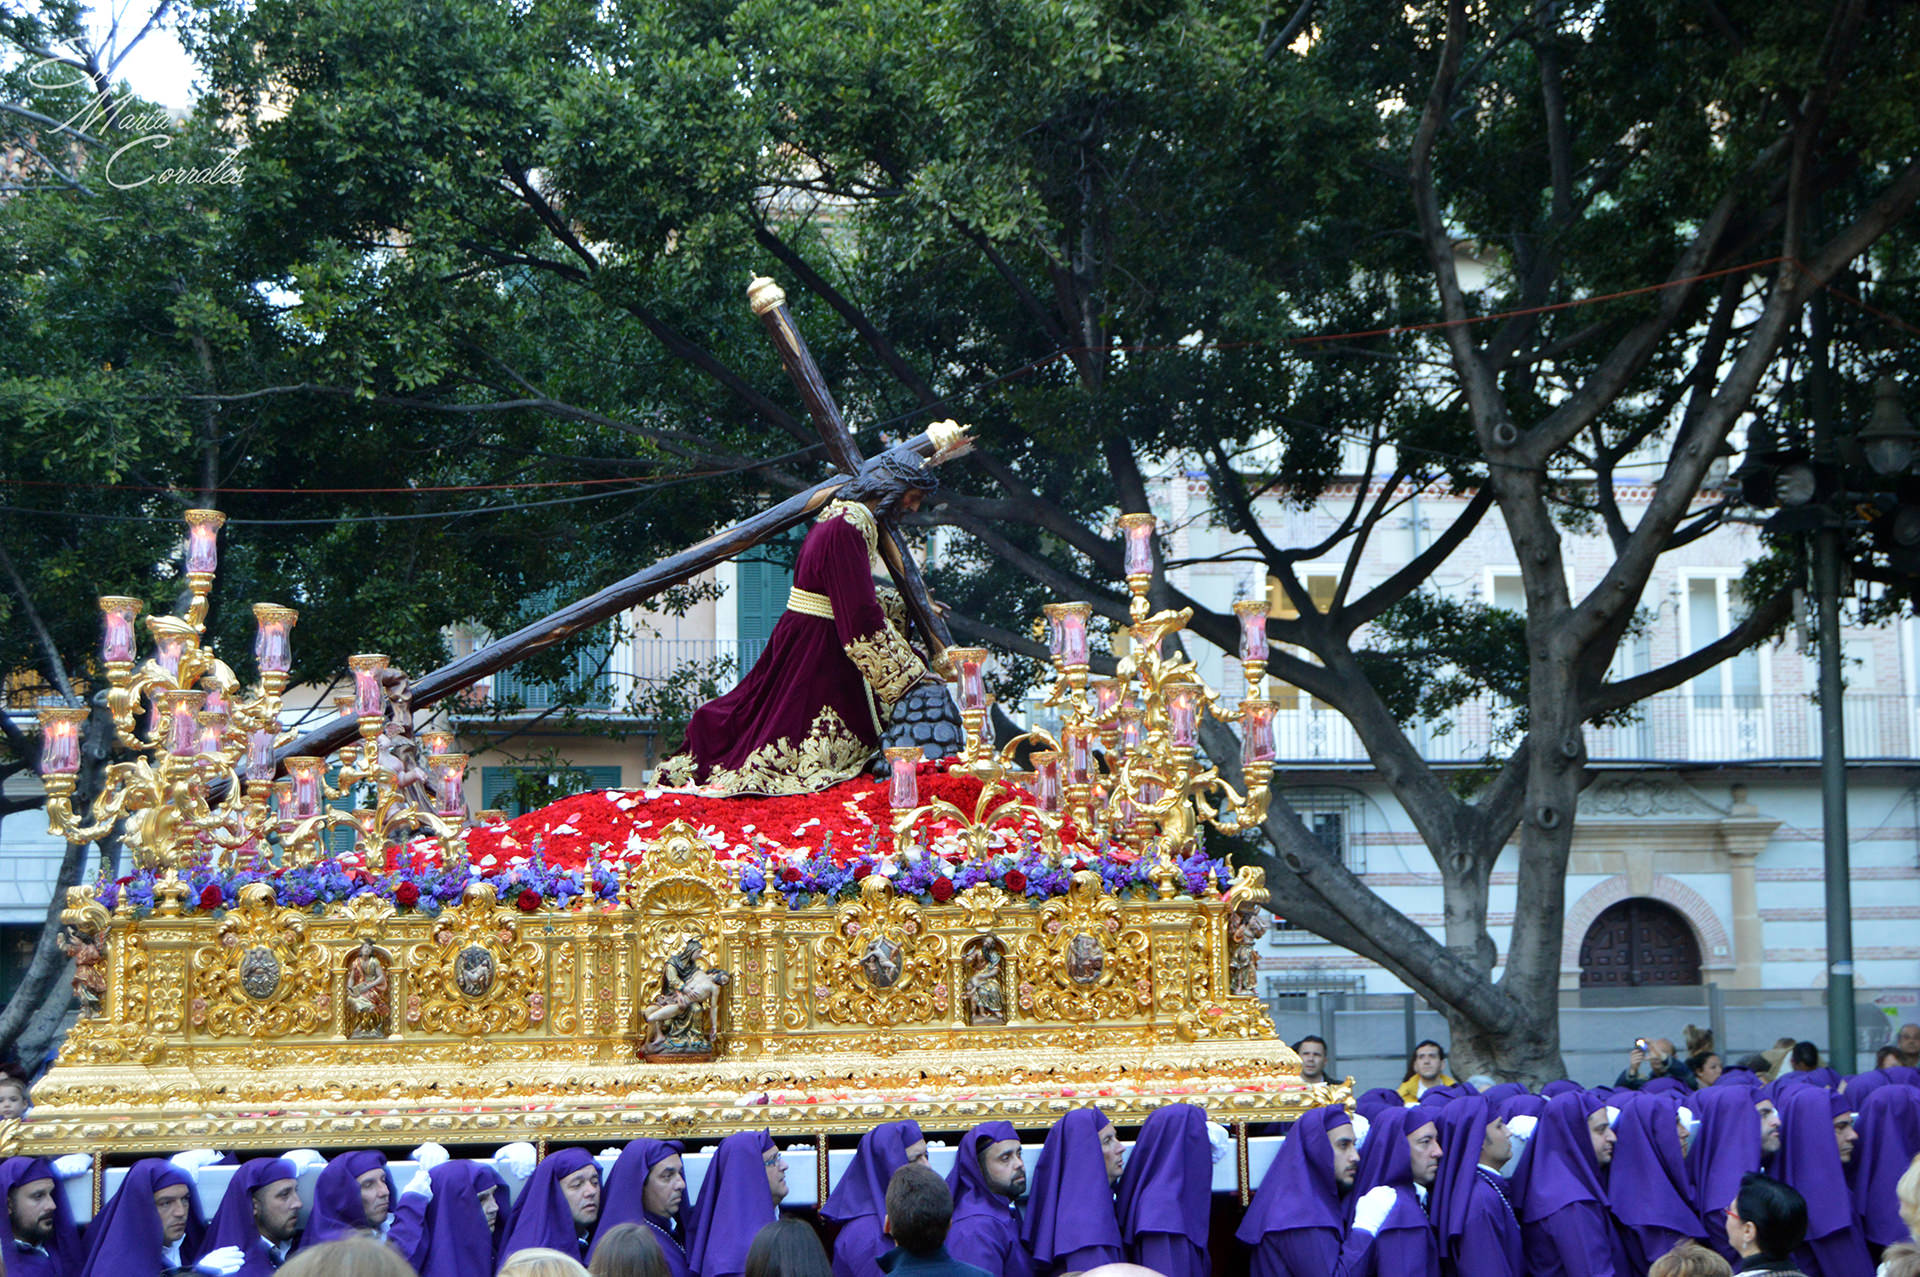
x=89 y=975
x=1244 y=928
x=369 y=1003
x=985 y=992
x=675 y=1023
x=1085 y=959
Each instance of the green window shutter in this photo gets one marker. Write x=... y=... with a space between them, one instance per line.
x=762 y=581
x=497 y=785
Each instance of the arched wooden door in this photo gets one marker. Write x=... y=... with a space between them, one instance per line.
x=1639 y=942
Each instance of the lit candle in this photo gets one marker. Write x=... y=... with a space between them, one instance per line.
x=1046 y=779
x=212 y=726
x=260 y=754
x=369 y=697
x=117 y=615
x=1106 y=699
x=272 y=637
x=1253 y=629
x=1183 y=711
x=1079 y=756
x=903 y=776
x=216 y=699
x=305 y=771
x=343 y=704
x=183 y=729
x=203 y=541
x=167 y=649
x=449 y=773
x=283 y=801
x=970 y=664
x=1130 y=728
x=1256 y=731
x=1073 y=633
x=60 y=741
x=1139 y=533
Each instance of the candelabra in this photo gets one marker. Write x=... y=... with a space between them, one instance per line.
x=201 y=783
x=1126 y=766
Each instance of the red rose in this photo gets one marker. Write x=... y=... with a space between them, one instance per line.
x=406 y=895
x=528 y=900
x=1015 y=881
x=790 y=874
x=210 y=897
x=942 y=889
x=862 y=869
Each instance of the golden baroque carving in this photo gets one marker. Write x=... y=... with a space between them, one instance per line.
x=476 y=975
x=261 y=978
x=1083 y=962
x=880 y=965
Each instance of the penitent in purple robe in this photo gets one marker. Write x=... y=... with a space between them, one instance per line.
x=1473 y=1217
x=1889 y=1125
x=233 y=1223
x=735 y=1204
x=1071 y=1225
x=124 y=1239
x=1726 y=1147
x=1294 y=1223
x=1810 y=1161
x=859 y=1202
x=1165 y=1194
x=542 y=1217
x=1565 y=1230
x=810 y=712
x=623 y=1201
x=1404 y=1245
x=61 y=1256
x=1650 y=1192
x=985 y=1231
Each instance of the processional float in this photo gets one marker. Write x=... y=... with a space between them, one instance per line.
x=246 y=988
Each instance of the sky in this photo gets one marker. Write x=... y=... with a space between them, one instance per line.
x=158 y=68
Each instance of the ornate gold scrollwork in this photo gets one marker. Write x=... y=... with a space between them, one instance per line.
x=476 y=975
x=880 y=965
x=1083 y=962
x=262 y=978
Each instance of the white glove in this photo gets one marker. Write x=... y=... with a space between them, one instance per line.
x=72 y=1164
x=518 y=1158
x=193 y=1160
x=612 y=1154
x=1218 y=1142
x=1521 y=1125
x=1613 y=1116
x=226 y=1261
x=421 y=1185
x=1360 y=1128
x=1693 y=1122
x=304 y=1160
x=430 y=1155
x=1371 y=1210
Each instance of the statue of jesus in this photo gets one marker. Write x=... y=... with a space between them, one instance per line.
x=812 y=710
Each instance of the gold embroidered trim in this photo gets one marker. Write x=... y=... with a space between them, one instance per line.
x=808 y=603
x=889 y=664
x=859 y=516
x=893 y=605
x=829 y=754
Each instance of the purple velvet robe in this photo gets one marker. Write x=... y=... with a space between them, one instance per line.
x=859 y=1202
x=1294 y=1223
x=810 y=712
x=1165 y=1195
x=232 y=1223
x=1565 y=1230
x=1650 y=1191
x=63 y=1254
x=1474 y=1220
x=1889 y=1124
x=1810 y=1161
x=1726 y=1147
x=1405 y=1244
x=985 y=1231
x=337 y=1210
x=454 y=1239
x=1071 y=1225
x=542 y=1216
x=623 y=1201
x=735 y=1204
x=124 y=1239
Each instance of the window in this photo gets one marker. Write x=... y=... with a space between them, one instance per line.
x=1320 y=588
x=500 y=786
x=1713 y=607
x=1297 y=986
x=763 y=577
x=1337 y=817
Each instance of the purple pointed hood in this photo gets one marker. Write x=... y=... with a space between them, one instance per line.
x=458 y=1243
x=1502 y=1092
x=1560 y=1167
x=542 y=1216
x=232 y=1223
x=1858 y=1087
x=1167 y=1186
x=1667 y=1086
x=65 y=1246
x=1905 y=1074
x=1559 y=1086
x=337 y=1208
x=1889 y=1125
x=735 y=1203
x=1386 y=1161
x=863 y=1189
x=1522 y=1105
x=1809 y=1159
x=1726 y=1147
x=1070 y=1206
x=623 y=1199
x=1463 y=1132
x=1299 y=1190
x=1648 y=1182
x=127 y=1229
x=972 y=1195
x=1736 y=1076
x=1377 y=1101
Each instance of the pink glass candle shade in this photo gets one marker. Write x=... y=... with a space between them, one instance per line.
x=260 y=754
x=1079 y=744
x=343 y=704
x=436 y=742
x=203 y=541
x=1183 y=715
x=1138 y=529
x=60 y=741
x=283 y=801
x=1151 y=792
x=1046 y=779
x=216 y=699
x=272 y=637
x=1256 y=731
x=180 y=709
x=1132 y=729
x=1253 y=629
x=116 y=615
x=166 y=650
x=212 y=727
x=1106 y=699
x=449 y=772
x=1054 y=634
x=369 y=698
x=305 y=772
x=970 y=663
x=903 y=777
x=1073 y=633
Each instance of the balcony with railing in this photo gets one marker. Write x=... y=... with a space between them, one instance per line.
x=616 y=680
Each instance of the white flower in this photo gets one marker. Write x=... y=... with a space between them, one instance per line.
x=489 y=860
